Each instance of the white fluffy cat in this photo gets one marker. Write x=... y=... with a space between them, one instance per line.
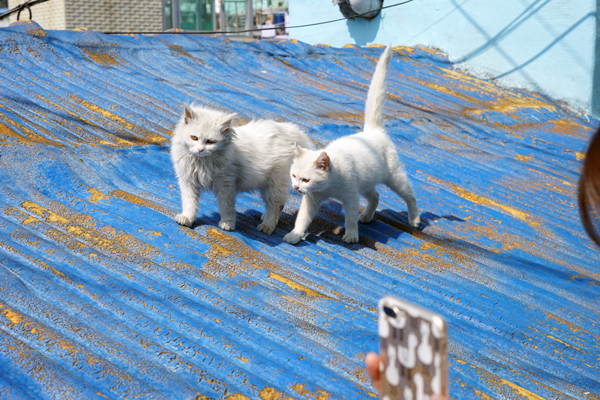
x=209 y=154
x=352 y=166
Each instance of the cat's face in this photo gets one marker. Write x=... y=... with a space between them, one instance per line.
x=204 y=132
x=310 y=171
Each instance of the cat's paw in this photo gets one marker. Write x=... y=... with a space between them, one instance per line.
x=264 y=228
x=292 y=238
x=415 y=222
x=262 y=217
x=364 y=218
x=183 y=220
x=227 y=225
x=350 y=237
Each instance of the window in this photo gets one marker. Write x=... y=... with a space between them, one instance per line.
x=192 y=15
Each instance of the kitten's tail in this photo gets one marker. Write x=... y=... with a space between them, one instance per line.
x=376 y=95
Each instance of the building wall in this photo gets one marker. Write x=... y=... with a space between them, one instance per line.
x=544 y=45
x=115 y=15
x=49 y=15
x=98 y=15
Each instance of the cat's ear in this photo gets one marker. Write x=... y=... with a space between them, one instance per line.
x=298 y=150
x=188 y=114
x=226 y=122
x=322 y=162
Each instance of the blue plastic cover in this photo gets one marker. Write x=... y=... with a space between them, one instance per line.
x=103 y=295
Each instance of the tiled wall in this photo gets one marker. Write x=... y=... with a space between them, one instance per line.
x=98 y=15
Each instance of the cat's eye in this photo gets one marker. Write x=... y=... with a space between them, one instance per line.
x=210 y=141
x=305 y=180
x=293 y=175
x=194 y=138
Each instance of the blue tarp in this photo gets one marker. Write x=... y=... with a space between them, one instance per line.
x=103 y=295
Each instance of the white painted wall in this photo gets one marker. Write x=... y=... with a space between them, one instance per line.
x=543 y=45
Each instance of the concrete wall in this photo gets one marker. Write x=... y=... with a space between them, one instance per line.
x=545 y=45
x=49 y=15
x=98 y=15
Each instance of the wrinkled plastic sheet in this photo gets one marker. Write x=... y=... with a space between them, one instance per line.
x=103 y=295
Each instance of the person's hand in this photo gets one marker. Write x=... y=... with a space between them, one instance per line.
x=372 y=362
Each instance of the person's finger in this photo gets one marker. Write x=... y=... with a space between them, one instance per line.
x=372 y=362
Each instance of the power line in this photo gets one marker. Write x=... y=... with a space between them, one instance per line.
x=22 y=7
x=251 y=30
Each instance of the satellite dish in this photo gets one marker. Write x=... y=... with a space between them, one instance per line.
x=354 y=8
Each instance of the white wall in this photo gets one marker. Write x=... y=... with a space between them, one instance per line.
x=544 y=45
x=49 y=15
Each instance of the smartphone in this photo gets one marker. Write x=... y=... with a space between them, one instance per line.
x=413 y=351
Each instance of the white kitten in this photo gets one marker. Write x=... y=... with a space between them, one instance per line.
x=209 y=154
x=352 y=166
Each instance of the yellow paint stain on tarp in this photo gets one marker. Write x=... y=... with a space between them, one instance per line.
x=482 y=395
x=404 y=50
x=131 y=198
x=177 y=50
x=24 y=135
x=31 y=28
x=568 y=127
x=147 y=136
x=253 y=260
x=433 y=254
x=96 y=195
x=564 y=343
x=515 y=103
x=100 y=57
x=452 y=140
x=498 y=384
x=574 y=328
x=345 y=117
x=270 y=393
x=509 y=240
x=105 y=113
x=307 y=394
x=519 y=157
x=296 y=286
x=471 y=83
x=106 y=238
x=114 y=140
x=41 y=211
x=33 y=260
x=11 y=315
x=477 y=199
x=237 y=396
x=35 y=331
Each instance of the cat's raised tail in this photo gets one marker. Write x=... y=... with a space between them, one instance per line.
x=376 y=95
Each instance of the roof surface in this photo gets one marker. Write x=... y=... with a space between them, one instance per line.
x=103 y=295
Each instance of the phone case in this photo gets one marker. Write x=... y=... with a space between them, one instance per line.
x=413 y=351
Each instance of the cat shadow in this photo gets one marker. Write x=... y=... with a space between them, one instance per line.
x=390 y=224
x=328 y=226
